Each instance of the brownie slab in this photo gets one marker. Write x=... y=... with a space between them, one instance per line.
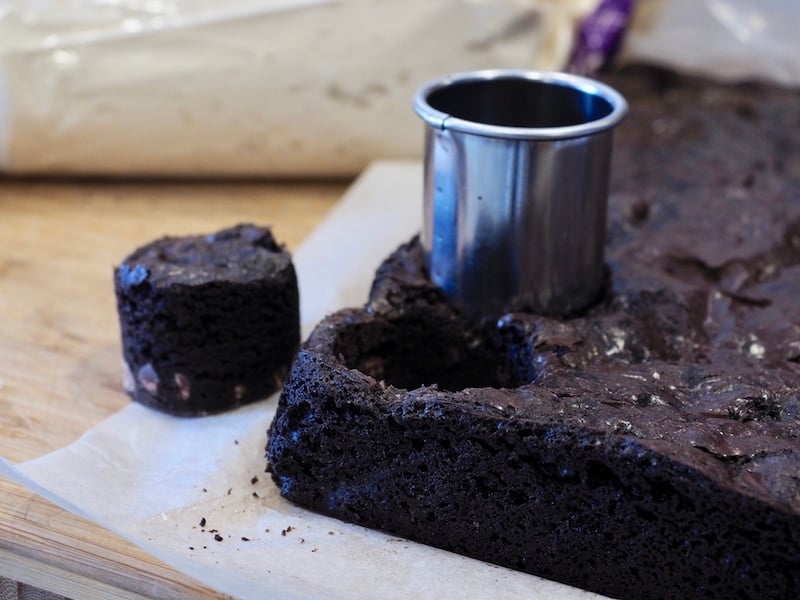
x=649 y=448
x=208 y=322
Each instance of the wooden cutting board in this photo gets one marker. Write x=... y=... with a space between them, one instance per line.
x=59 y=349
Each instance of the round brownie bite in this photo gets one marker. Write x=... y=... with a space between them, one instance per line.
x=208 y=322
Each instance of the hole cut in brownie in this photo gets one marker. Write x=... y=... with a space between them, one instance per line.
x=422 y=349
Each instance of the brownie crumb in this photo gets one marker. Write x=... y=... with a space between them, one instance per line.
x=254 y=480
x=245 y=539
x=218 y=537
x=203 y=522
x=640 y=211
x=229 y=491
x=255 y=494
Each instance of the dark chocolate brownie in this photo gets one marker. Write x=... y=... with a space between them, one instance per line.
x=208 y=322
x=649 y=448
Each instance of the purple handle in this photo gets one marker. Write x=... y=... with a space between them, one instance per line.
x=599 y=36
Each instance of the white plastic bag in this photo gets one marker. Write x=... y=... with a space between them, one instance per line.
x=245 y=87
x=725 y=39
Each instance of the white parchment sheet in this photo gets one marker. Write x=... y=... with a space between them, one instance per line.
x=153 y=478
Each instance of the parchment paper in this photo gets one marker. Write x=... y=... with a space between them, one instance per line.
x=153 y=478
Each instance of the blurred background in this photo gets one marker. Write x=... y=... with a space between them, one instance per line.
x=318 y=88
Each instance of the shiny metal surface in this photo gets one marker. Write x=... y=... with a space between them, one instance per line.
x=516 y=187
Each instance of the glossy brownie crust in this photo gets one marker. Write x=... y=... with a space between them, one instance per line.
x=208 y=322
x=648 y=449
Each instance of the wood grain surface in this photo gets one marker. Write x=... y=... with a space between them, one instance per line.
x=60 y=356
